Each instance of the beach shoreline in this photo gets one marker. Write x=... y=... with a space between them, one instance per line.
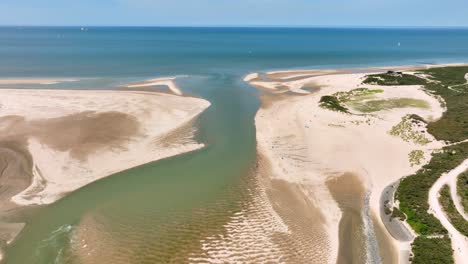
x=306 y=144
x=56 y=141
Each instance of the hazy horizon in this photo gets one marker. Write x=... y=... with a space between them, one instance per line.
x=242 y=13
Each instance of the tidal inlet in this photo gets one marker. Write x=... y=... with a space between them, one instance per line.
x=159 y=135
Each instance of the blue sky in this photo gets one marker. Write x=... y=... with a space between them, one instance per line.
x=235 y=12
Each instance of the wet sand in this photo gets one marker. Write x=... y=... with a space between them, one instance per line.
x=95 y=133
x=35 y=81
x=55 y=141
x=15 y=176
x=349 y=193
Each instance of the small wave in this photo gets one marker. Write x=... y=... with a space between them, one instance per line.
x=56 y=244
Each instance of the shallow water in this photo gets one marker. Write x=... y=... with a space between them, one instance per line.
x=174 y=209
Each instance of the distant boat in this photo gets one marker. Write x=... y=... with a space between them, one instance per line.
x=399 y=44
x=84 y=29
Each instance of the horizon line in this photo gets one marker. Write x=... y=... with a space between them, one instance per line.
x=246 y=26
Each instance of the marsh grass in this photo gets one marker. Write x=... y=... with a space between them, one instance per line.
x=370 y=106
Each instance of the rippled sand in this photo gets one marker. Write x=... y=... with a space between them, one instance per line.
x=261 y=220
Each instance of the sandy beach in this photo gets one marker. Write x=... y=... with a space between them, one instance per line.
x=62 y=140
x=56 y=141
x=342 y=161
x=77 y=137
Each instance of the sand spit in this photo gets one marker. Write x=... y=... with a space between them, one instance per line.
x=459 y=241
x=166 y=81
x=35 y=81
x=67 y=139
x=311 y=146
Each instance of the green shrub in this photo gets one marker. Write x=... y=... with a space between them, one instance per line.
x=451 y=211
x=332 y=103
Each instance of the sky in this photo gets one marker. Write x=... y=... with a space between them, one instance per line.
x=348 y=13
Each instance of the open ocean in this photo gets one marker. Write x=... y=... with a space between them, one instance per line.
x=160 y=212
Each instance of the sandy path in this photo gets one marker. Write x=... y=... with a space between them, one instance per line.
x=452 y=182
x=309 y=145
x=77 y=137
x=459 y=242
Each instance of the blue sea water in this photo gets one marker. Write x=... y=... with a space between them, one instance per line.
x=159 y=211
x=39 y=51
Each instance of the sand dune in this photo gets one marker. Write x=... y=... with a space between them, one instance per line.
x=311 y=146
x=72 y=138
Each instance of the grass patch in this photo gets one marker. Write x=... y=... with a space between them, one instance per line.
x=462 y=189
x=407 y=130
x=450 y=210
x=386 y=104
x=416 y=157
x=436 y=250
x=338 y=100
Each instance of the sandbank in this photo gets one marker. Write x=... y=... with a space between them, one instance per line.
x=34 y=81
x=72 y=138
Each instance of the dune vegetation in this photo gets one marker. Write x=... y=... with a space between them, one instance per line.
x=433 y=245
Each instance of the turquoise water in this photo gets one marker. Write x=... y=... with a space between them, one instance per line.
x=160 y=211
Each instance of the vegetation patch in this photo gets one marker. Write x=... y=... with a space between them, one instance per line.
x=396 y=213
x=462 y=189
x=410 y=130
x=451 y=211
x=332 y=103
x=433 y=245
x=453 y=126
x=437 y=250
x=385 y=79
x=413 y=190
x=356 y=94
x=370 y=106
x=338 y=100
x=416 y=157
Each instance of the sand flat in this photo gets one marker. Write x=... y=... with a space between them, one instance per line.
x=306 y=144
x=35 y=81
x=77 y=137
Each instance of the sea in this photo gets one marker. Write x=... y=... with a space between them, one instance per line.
x=167 y=211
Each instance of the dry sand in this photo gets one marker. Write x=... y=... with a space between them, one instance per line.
x=310 y=146
x=67 y=139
